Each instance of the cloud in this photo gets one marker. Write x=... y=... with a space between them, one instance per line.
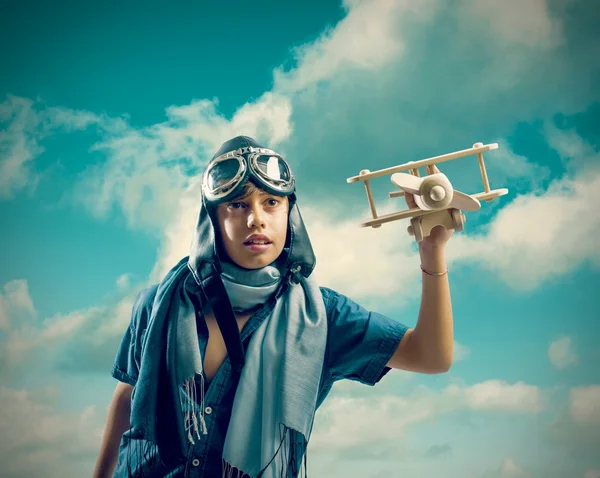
x=378 y=43
x=383 y=256
x=147 y=169
x=528 y=24
x=575 y=429
x=379 y=419
x=43 y=438
x=525 y=233
x=124 y=281
x=499 y=395
x=16 y=306
x=461 y=352
x=585 y=404
x=561 y=353
x=508 y=469
x=366 y=39
x=26 y=123
x=83 y=340
x=17 y=148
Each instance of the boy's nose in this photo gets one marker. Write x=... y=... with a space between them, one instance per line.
x=255 y=217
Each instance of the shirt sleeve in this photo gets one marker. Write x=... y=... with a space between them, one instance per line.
x=127 y=362
x=360 y=342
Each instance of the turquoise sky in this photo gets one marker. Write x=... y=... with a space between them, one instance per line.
x=108 y=114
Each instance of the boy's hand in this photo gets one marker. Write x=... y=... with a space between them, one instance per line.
x=439 y=234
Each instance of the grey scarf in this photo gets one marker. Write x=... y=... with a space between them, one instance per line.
x=276 y=398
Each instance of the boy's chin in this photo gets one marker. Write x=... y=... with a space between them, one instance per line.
x=254 y=263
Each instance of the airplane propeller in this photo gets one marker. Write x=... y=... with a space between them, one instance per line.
x=435 y=192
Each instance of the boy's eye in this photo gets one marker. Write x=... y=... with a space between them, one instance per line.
x=235 y=205
x=272 y=202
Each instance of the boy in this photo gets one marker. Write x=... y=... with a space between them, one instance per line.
x=227 y=359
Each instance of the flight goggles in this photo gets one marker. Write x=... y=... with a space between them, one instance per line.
x=226 y=173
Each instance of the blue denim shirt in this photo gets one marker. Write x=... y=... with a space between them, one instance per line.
x=359 y=346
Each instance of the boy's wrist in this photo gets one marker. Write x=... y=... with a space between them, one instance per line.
x=433 y=259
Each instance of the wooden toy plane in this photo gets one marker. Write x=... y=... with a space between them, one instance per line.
x=438 y=203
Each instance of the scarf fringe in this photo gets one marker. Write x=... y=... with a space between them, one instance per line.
x=293 y=465
x=148 y=462
x=189 y=406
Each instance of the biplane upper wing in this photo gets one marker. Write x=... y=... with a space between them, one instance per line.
x=411 y=165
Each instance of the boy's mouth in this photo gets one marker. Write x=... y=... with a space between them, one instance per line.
x=257 y=246
x=257 y=239
x=258 y=242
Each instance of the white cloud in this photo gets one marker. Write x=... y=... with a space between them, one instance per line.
x=461 y=352
x=42 y=438
x=177 y=236
x=27 y=124
x=561 y=353
x=123 y=281
x=585 y=404
x=17 y=149
x=362 y=262
x=524 y=23
x=16 y=306
x=87 y=336
x=525 y=243
x=499 y=395
x=510 y=469
x=366 y=39
x=147 y=170
x=376 y=419
x=507 y=169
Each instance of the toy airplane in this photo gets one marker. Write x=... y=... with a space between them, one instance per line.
x=438 y=203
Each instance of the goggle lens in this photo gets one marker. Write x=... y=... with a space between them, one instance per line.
x=223 y=173
x=274 y=169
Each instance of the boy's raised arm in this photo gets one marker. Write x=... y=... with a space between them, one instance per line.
x=117 y=423
x=428 y=348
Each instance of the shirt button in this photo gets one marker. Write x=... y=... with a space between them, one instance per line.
x=195 y=462
x=208 y=410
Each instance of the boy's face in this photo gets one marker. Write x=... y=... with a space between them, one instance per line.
x=259 y=214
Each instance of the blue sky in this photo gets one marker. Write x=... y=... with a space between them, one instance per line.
x=109 y=113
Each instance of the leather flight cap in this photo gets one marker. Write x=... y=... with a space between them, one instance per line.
x=206 y=268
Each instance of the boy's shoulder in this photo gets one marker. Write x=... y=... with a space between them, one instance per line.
x=335 y=301
x=145 y=297
x=142 y=305
x=327 y=293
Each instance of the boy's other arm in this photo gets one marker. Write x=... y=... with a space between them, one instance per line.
x=428 y=348
x=117 y=423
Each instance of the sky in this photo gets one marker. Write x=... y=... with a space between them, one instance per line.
x=109 y=113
